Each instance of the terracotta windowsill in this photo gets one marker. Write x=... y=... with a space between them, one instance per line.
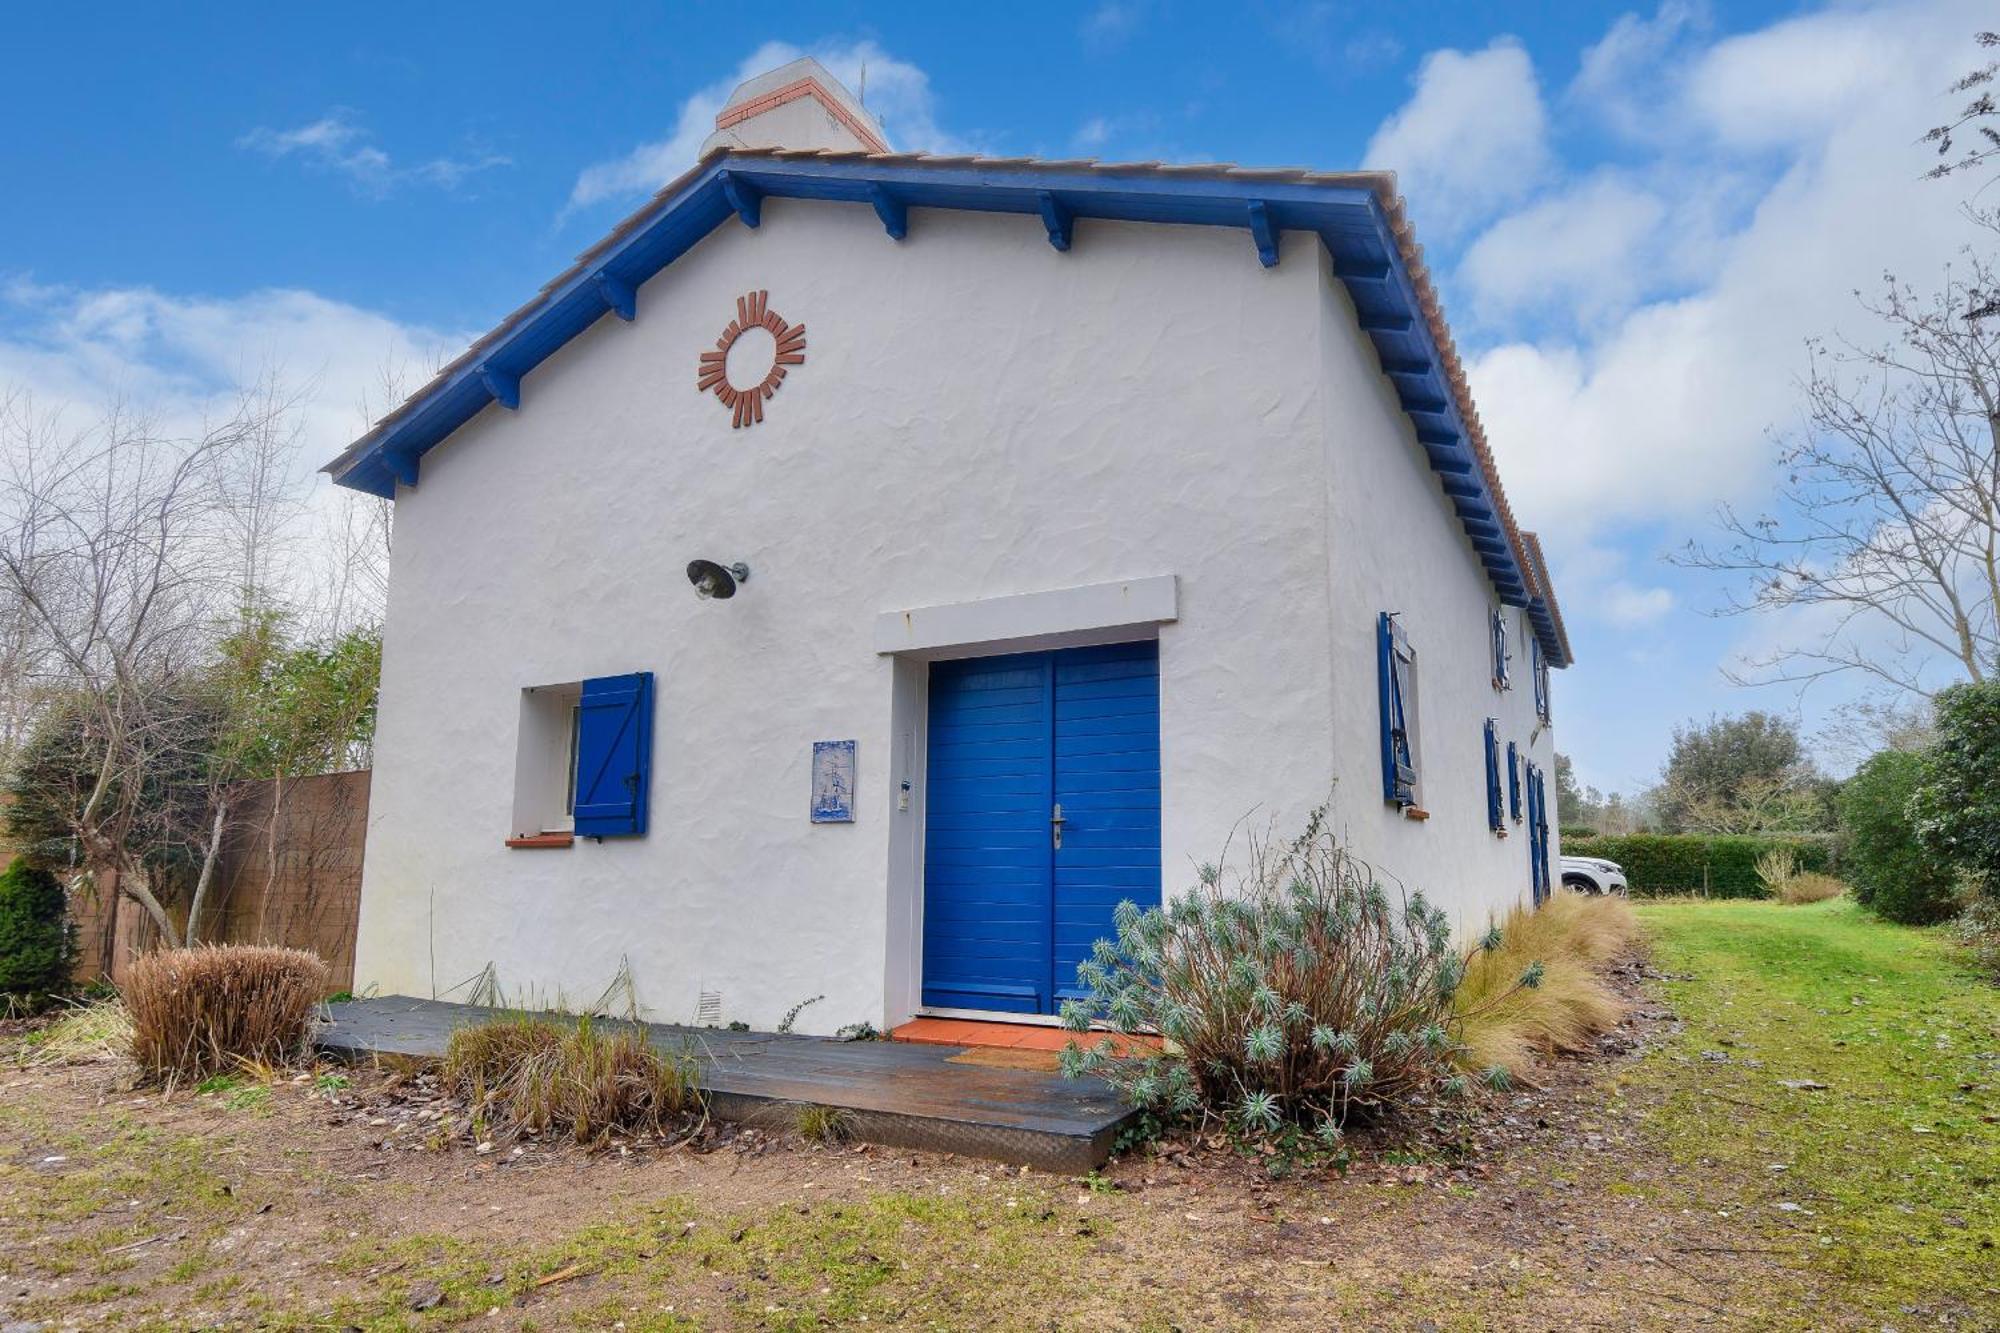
x=543 y=840
x=1411 y=812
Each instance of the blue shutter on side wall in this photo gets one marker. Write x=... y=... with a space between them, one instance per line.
x=1495 y=820
x=1399 y=769
x=1514 y=781
x=614 y=755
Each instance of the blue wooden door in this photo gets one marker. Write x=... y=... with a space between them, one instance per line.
x=1043 y=811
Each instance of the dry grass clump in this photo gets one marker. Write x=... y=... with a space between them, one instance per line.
x=215 y=1008
x=526 y=1074
x=1571 y=937
x=1810 y=887
x=829 y=1125
x=86 y=1033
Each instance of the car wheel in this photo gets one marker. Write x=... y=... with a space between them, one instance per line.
x=1580 y=884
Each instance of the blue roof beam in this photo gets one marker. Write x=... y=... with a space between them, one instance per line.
x=745 y=198
x=1351 y=269
x=1264 y=233
x=895 y=214
x=621 y=298
x=1385 y=321
x=505 y=387
x=402 y=467
x=1058 y=217
x=1444 y=460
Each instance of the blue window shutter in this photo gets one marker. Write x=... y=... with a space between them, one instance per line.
x=614 y=755
x=1399 y=768
x=1514 y=781
x=1501 y=679
x=1494 y=818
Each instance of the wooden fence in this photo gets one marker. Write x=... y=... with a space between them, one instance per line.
x=290 y=874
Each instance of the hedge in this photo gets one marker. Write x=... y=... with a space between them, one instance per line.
x=1717 y=865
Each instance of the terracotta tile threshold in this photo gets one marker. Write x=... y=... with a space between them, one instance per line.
x=987 y=1034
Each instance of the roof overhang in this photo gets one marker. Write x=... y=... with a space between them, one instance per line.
x=1357 y=216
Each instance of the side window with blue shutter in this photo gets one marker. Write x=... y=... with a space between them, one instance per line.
x=1514 y=781
x=1539 y=667
x=1502 y=674
x=1397 y=663
x=614 y=755
x=1495 y=819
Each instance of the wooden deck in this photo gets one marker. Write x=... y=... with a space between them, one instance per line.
x=934 y=1097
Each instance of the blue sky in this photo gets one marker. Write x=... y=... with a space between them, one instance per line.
x=1636 y=214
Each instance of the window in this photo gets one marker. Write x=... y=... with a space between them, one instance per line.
x=545 y=760
x=1398 y=678
x=583 y=761
x=1495 y=817
x=1540 y=668
x=1514 y=781
x=1502 y=677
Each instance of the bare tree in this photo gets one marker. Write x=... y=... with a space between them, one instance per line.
x=1885 y=527
x=1974 y=118
x=123 y=548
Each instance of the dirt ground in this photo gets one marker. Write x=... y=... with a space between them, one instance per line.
x=353 y=1199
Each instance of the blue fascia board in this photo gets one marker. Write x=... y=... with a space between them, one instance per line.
x=1350 y=220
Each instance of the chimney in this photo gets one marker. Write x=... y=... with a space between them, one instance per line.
x=798 y=105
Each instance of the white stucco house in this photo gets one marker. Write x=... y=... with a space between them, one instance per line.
x=1076 y=512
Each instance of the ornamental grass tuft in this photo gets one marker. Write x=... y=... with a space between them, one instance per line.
x=527 y=1074
x=1300 y=998
x=1569 y=940
x=217 y=1008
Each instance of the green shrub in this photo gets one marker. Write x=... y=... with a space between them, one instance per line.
x=1718 y=865
x=216 y=1008
x=1956 y=805
x=1978 y=932
x=1892 y=872
x=1294 y=1001
x=36 y=946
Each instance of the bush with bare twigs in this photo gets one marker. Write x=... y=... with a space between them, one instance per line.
x=216 y=1008
x=527 y=1074
x=1571 y=937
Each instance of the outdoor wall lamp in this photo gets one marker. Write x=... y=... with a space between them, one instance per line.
x=717 y=581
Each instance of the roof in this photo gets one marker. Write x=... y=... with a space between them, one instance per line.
x=1358 y=216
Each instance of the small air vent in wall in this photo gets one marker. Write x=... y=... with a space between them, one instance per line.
x=708 y=1012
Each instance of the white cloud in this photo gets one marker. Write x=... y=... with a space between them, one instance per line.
x=1587 y=252
x=898 y=94
x=1626 y=78
x=1668 y=408
x=335 y=143
x=176 y=358
x=1110 y=22
x=1630 y=607
x=1471 y=139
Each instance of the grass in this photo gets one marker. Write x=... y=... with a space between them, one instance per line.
x=824 y=1124
x=1888 y=1180
x=1569 y=939
x=96 y=1030
x=531 y=1075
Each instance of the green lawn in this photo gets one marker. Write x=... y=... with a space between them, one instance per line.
x=1888 y=1179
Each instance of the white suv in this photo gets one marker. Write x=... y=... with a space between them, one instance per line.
x=1591 y=874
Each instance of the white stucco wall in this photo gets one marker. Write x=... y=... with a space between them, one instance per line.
x=1395 y=544
x=979 y=417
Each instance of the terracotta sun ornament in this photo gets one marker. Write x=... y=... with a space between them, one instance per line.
x=746 y=403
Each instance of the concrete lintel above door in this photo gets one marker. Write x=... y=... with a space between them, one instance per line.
x=1059 y=617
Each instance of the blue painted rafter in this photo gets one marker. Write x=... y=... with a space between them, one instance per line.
x=1264 y=233
x=1349 y=219
x=747 y=200
x=895 y=214
x=1057 y=217
x=621 y=298
x=505 y=388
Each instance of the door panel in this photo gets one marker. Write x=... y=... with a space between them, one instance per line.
x=1007 y=914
